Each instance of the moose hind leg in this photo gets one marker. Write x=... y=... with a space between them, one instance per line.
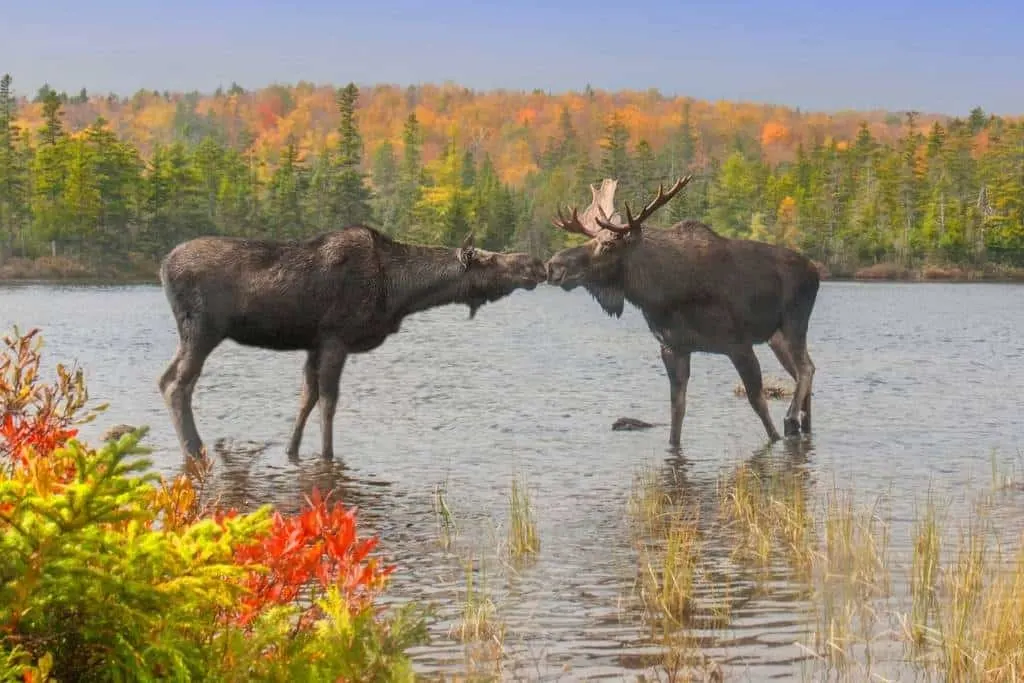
x=331 y=363
x=677 y=367
x=309 y=398
x=745 y=361
x=178 y=384
x=780 y=346
x=804 y=385
x=169 y=374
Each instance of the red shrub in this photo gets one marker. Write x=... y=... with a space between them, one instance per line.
x=318 y=545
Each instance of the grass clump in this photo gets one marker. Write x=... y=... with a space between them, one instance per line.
x=924 y=574
x=479 y=613
x=769 y=517
x=446 y=527
x=523 y=537
x=669 y=571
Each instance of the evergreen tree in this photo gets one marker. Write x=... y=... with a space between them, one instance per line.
x=352 y=196
x=13 y=181
x=386 y=186
x=287 y=187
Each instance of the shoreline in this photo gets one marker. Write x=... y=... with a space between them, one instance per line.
x=47 y=271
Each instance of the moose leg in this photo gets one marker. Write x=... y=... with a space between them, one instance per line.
x=677 y=366
x=177 y=385
x=310 y=395
x=745 y=361
x=779 y=345
x=331 y=363
x=804 y=384
x=170 y=373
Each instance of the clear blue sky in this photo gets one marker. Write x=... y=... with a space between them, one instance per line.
x=936 y=56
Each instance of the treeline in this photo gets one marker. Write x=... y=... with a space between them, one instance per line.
x=949 y=192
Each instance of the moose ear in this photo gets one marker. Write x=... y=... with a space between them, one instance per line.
x=466 y=251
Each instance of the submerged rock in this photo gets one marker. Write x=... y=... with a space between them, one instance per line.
x=117 y=431
x=628 y=424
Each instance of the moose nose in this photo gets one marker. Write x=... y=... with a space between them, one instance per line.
x=556 y=272
x=539 y=270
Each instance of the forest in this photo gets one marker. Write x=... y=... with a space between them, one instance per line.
x=103 y=185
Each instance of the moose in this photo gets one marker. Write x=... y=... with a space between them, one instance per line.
x=339 y=293
x=698 y=291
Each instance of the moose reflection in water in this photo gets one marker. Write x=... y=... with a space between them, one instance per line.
x=332 y=295
x=698 y=291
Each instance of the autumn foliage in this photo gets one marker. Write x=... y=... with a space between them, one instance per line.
x=104 y=185
x=319 y=544
x=110 y=572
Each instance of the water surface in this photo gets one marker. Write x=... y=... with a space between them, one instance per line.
x=916 y=385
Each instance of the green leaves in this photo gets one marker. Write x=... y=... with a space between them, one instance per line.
x=109 y=572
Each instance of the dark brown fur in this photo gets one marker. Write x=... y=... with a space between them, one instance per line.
x=699 y=291
x=332 y=295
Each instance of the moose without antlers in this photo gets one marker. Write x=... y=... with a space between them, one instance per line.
x=332 y=295
x=698 y=291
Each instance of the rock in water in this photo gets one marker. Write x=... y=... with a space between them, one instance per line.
x=628 y=424
x=116 y=432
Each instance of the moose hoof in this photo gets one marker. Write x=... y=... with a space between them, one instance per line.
x=791 y=426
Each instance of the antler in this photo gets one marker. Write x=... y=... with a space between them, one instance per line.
x=572 y=224
x=636 y=223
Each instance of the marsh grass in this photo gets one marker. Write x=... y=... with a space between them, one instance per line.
x=649 y=503
x=770 y=518
x=851 y=578
x=479 y=613
x=446 y=526
x=668 y=574
x=958 y=614
x=523 y=539
x=924 y=575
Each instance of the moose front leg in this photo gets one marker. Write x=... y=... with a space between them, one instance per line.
x=331 y=363
x=749 y=369
x=310 y=395
x=677 y=367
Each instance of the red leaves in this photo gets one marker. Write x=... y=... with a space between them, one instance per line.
x=41 y=433
x=36 y=418
x=318 y=546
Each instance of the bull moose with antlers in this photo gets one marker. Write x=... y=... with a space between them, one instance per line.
x=332 y=295
x=698 y=292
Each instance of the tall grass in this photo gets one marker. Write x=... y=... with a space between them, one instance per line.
x=924 y=576
x=523 y=537
x=446 y=526
x=669 y=571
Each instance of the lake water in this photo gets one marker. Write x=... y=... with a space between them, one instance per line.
x=916 y=385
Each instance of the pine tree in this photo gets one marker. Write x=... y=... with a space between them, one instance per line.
x=411 y=176
x=283 y=208
x=385 y=186
x=352 y=198
x=615 y=154
x=13 y=185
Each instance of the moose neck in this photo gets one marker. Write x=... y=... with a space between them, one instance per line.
x=651 y=275
x=421 y=277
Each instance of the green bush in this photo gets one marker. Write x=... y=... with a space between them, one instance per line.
x=108 y=572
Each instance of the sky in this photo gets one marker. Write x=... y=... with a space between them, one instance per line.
x=937 y=57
